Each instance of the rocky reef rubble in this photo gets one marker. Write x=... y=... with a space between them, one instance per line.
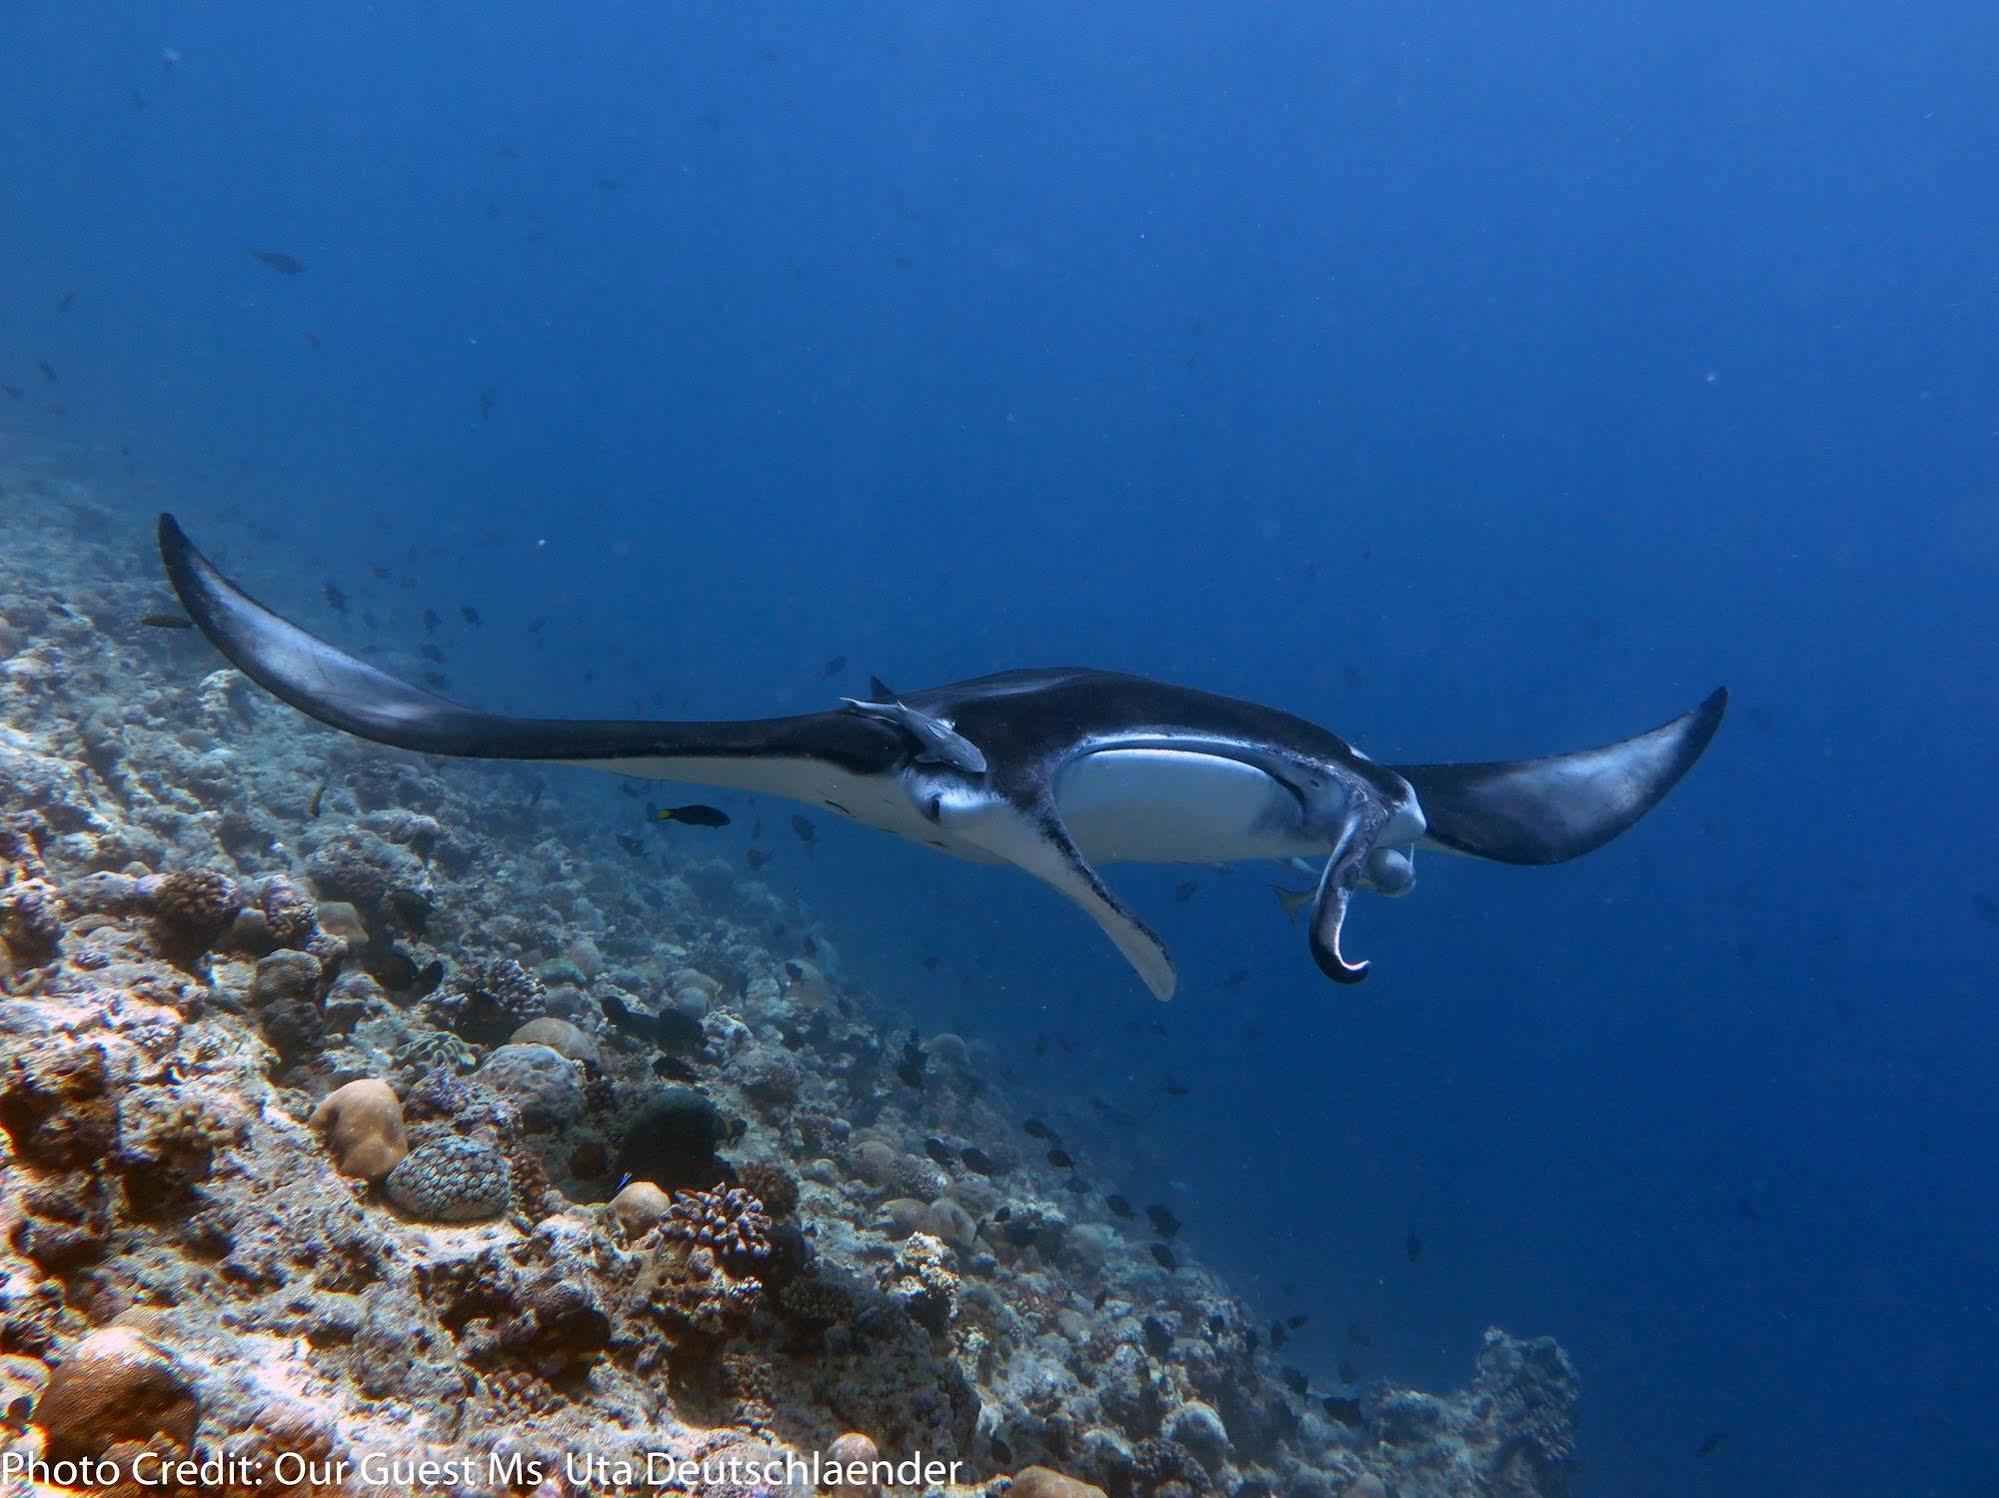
x=352 y=1102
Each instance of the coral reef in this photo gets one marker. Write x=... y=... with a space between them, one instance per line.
x=657 y=1182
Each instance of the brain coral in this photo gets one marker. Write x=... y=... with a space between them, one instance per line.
x=363 y=1124
x=451 y=1180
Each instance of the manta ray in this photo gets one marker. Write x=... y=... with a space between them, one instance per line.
x=1055 y=771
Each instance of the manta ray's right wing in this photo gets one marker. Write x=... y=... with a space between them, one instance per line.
x=793 y=757
x=1541 y=811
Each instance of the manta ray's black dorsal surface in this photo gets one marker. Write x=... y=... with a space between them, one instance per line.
x=1054 y=771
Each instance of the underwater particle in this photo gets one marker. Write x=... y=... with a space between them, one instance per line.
x=1710 y=1446
x=639 y=1207
x=362 y=1122
x=631 y=845
x=1174 y=1087
x=48 y=371
x=1186 y=891
x=1162 y=1256
x=115 y=1387
x=757 y=859
x=279 y=261
x=451 y=1180
x=1413 y=1247
x=431 y=621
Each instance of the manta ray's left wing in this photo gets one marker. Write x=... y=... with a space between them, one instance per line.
x=797 y=757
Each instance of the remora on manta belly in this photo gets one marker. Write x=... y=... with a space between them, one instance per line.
x=1054 y=771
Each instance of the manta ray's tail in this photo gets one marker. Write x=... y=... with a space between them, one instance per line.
x=1535 y=811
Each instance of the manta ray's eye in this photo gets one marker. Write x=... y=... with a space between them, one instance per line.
x=934 y=808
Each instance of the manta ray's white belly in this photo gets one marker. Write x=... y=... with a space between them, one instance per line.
x=1177 y=806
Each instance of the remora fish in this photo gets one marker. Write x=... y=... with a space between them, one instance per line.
x=1080 y=768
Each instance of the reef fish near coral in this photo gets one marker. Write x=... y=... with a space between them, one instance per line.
x=1059 y=770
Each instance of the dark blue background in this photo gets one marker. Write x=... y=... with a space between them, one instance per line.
x=1476 y=380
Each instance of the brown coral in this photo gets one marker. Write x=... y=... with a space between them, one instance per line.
x=771 y=1184
x=116 y=1387
x=730 y=1221
x=363 y=1125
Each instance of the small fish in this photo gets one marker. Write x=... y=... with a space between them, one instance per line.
x=1162 y=1255
x=63 y=301
x=756 y=858
x=930 y=964
x=674 y=1069
x=1034 y=1128
x=335 y=599
x=695 y=816
x=978 y=1160
x=278 y=260
x=310 y=340
x=432 y=653
x=910 y=1070
x=428 y=977
x=431 y=621
x=1060 y=1159
x=167 y=621
x=1346 y=1411
x=1174 y=1087
x=1710 y=1446
x=631 y=845
x=1162 y=1219
x=1185 y=892
x=1347 y=1372
x=1293 y=900
x=1002 y=1214
x=380 y=572
x=834 y=667
x=437 y=681
x=1297 y=1381
x=485 y=404
x=539 y=623
x=756 y=828
x=670 y=1031
x=1357 y=1334
x=1158 y=1338
x=470 y=614
x=1076 y=1186
x=938 y=1150
x=1119 y=1206
x=1003 y=1451
x=1278 y=1337
x=807 y=833
x=313 y=807
x=1414 y=1248
x=1296 y=1323
x=1102 y=1296
x=12 y=392
x=1748 y=1212
x=1236 y=978
x=48 y=370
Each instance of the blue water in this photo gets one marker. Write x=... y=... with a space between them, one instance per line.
x=1477 y=381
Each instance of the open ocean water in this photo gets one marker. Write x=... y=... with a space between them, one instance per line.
x=1476 y=381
